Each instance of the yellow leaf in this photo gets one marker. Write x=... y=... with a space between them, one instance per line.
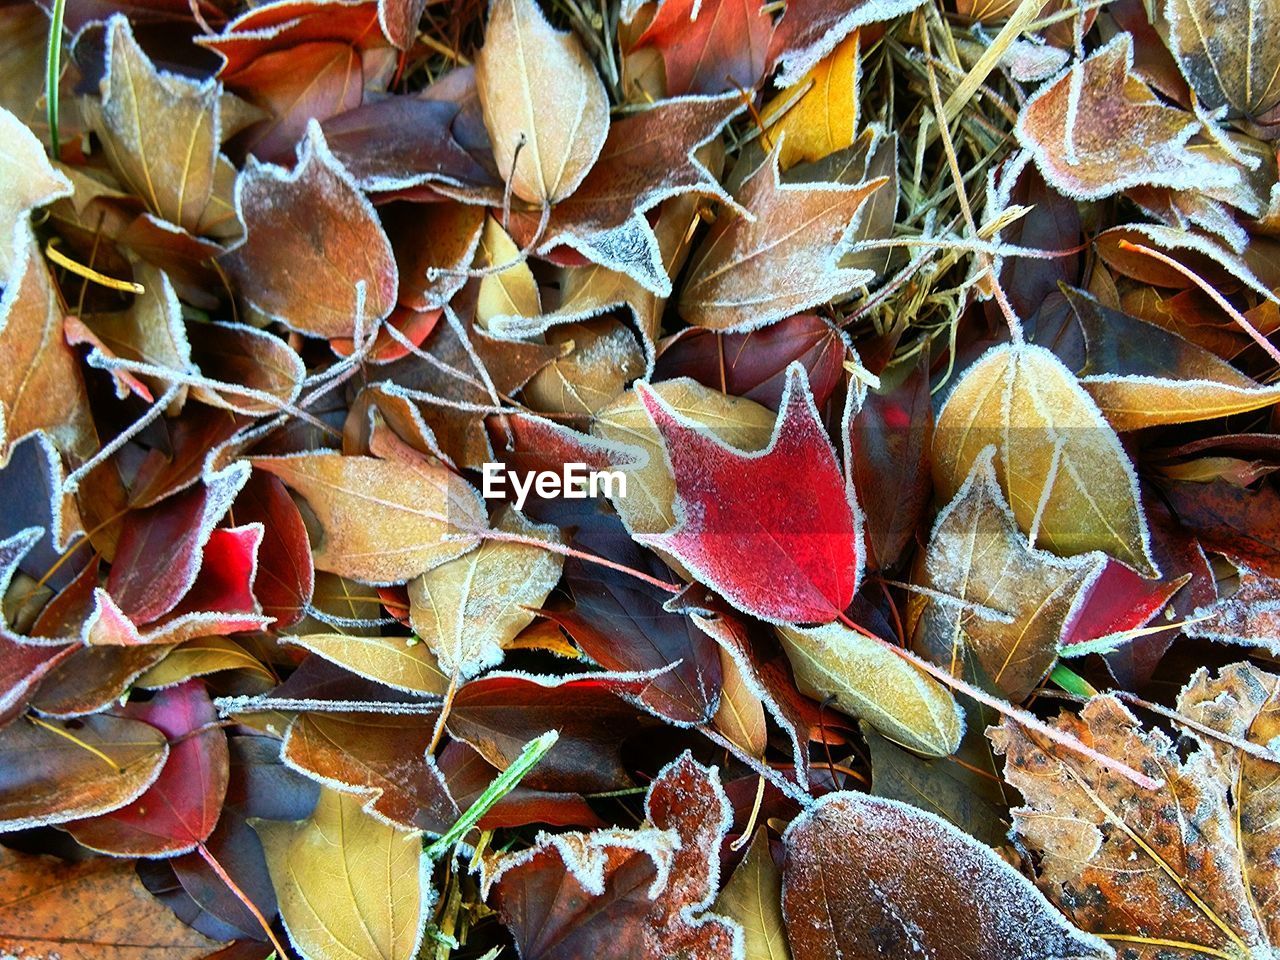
x=869 y=682
x=1067 y=479
x=389 y=660
x=753 y=897
x=384 y=521
x=825 y=118
x=470 y=609
x=509 y=292
x=349 y=886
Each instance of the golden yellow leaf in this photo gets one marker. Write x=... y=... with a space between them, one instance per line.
x=509 y=292
x=604 y=358
x=740 y=716
x=383 y=521
x=397 y=662
x=470 y=609
x=825 y=117
x=349 y=886
x=1067 y=479
x=753 y=897
x=869 y=682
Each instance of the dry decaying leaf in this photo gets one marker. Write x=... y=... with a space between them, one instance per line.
x=692 y=479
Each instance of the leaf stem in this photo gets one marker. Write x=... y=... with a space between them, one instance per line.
x=243 y=897
x=1009 y=710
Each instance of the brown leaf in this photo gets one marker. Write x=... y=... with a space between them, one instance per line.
x=312 y=242
x=1228 y=52
x=543 y=103
x=1158 y=873
x=994 y=597
x=749 y=273
x=604 y=358
x=381 y=758
x=634 y=894
x=60 y=770
x=383 y=521
x=92 y=910
x=867 y=877
x=1071 y=125
x=160 y=132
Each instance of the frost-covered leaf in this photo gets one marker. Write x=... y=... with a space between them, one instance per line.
x=867 y=681
x=348 y=884
x=870 y=877
x=48 y=776
x=1243 y=701
x=469 y=609
x=182 y=806
x=94 y=909
x=1141 y=375
x=651 y=487
x=619 y=894
x=603 y=357
x=647 y=158
x=991 y=595
x=825 y=117
x=314 y=255
x=1249 y=616
x=810 y=29
x=1228 y=52
x=747 y=528
x=1071 y=126
x=383 y=520
x=30 y=182
x=1068 y=480
x=380 y=758
x=161 y=132
x=748 y=273
x=753 y=898
x=710 y=46
x=389 y=660
x=1164 y=867
x=544 y=105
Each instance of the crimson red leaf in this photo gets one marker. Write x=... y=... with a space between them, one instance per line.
x=776 y=532
x=286 y=576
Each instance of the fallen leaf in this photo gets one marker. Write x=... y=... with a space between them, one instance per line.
x=314 y=256
x=181 y=807
x=1068 y=480
x=648 y=506
x=867 y=681
x=348 y=885
x=618 y=893
x=865 y=876
x=825 y=117
x=784 y=553
x=748 y=273
x=388 y=660
x=160 y=132
x=753 y=897
x=384 y=521
x=1250 y=616
x=95 y=909
x=1162 y=867
x=1228 y=54
x=60 y=770
x=711 y=46
x=469 y=609
x=1070 y=128
x=543 y=103
x=992 y=596
x=30 y=183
